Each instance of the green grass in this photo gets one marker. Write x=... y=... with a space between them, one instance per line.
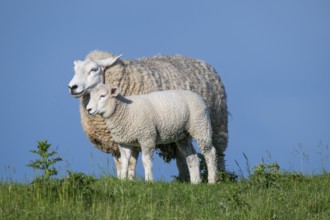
x=267 y=194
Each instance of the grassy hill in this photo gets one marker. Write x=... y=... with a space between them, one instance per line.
x=267 y=194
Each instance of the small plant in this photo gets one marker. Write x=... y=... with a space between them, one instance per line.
x=79 y=185
x=233 y=200
x=227 y=177
x=46 y=160
x=79 y=180
x=266 y=174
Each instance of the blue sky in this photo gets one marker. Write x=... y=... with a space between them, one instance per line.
x=273 y=56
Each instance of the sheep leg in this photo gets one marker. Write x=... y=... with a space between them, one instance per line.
x=221 y=162
x=125 y=155
x=188 y=152
x=132 y=164
x=147 y=154
x=117 y=163
x=210 y=156
x=220 y=144
x=181 y=162
x=211 y=165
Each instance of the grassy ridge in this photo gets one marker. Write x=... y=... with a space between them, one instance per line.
x=265 y=195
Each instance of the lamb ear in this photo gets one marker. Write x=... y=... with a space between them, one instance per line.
x=114 y=91
x=107 y=62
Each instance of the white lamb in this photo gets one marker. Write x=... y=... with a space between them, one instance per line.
x=142 y=121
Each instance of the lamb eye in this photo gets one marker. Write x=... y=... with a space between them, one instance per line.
x=102 y=96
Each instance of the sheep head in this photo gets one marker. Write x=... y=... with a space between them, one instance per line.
x=102 y=100
x=88 y=74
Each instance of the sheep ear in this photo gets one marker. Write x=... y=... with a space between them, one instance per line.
x=114 y=91
x=107 y=62
x=76 y=62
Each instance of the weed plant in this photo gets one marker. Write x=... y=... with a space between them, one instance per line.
x=46 y=160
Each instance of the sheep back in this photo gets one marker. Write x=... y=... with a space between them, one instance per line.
x=157 y=73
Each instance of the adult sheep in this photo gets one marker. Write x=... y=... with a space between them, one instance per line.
x=142 y=121
x=143 y=76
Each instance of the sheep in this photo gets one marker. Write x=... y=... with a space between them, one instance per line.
x=156 y=118
x=143 y=76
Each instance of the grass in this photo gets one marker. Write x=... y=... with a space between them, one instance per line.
x=268 y=193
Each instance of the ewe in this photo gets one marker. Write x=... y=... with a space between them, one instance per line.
x=145 y=75
x=156 y=118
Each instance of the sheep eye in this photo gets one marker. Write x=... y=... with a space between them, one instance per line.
x=102 y=96
x=94 y=69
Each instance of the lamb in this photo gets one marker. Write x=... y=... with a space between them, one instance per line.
x=156 y=118
x=143 y=76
